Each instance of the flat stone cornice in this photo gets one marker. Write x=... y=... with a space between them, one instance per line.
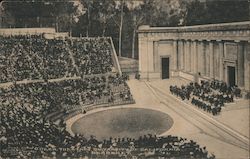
x=239 y=31
x=198 y=28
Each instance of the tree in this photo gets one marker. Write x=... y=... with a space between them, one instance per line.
x=120 y=29
x=137 y=18
x=98 y=16
x=37 y=13
x=89 y=5
x=195 y=13
x=106 y=13
x=227 y=11
x=123 y=23
x=210 y=12
x=165 y=13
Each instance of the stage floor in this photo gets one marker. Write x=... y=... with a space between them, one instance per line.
x=123 y=122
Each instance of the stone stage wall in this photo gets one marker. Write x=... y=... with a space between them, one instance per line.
x=197 y=52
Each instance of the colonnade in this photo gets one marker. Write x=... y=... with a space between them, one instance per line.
x=215 y=51
x=208 y=58
x=199 y=57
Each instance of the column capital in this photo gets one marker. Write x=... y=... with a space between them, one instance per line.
x=175 y=42
x=211 y=43
x=237 y=41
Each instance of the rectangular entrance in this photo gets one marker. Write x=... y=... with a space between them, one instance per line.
x=231 y=75
x=165 y=68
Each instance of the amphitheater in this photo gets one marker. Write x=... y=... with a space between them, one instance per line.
x=64 y=97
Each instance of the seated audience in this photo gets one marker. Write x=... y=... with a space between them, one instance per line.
x=34 y=57
x=209 y=96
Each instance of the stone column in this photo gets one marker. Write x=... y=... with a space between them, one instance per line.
x=179 y=55
x=146 y=59
x=221 y=59
x=204 y=58
x=247 y=66
x=189 y=60
x=183 y=55
x=216 y=61
x=211 y=60
x=175 y=55
x=240 y=64
x=142 y=52
x=150 y=58
x=156 y=56
x=180 y=43
x=195 y=55
x=206 y=51
x=199 y=52
x=191 y=57
x=186 y=56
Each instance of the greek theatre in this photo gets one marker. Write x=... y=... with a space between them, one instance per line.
x=202 y=52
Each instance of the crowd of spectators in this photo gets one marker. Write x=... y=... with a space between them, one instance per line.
x=55 y=57
x=24 y=107
x=222 y=86
x=209 y=96
x=92 y=55
x=35 y=57
x=65 y=93
x=32 y=138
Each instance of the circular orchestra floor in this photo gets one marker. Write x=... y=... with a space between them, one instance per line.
x=123 y=122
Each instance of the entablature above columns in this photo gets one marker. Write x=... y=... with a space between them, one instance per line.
x=217 y=35
x=223 y=32
x=200 y=36
x=157 y=36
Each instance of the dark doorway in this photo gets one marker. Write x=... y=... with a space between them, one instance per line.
x=231 y=75
x=165 y=68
